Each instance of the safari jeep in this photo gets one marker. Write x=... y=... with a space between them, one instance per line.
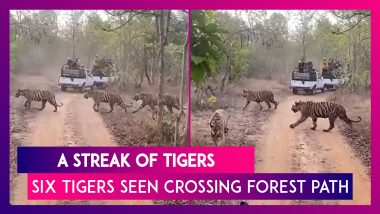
x=75 y=77
x=308 y=82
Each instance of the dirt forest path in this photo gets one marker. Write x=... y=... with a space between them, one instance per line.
x=75 y=124
x=306 y=151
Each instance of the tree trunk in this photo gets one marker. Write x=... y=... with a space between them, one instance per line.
x=122 y=62
x=241 y=41
x=157 y=27
x=303 y=47
x=146 y=66
x=140 y=74
x=247 y=39
x=178 y=119
x=141 y=79
x=285 y=71
x=266 y=59
x=223 y=83
x=167 y=27
x=152 y=74
x=162 y=33
x=74 y=43
x=184 y=138
x=271 y=65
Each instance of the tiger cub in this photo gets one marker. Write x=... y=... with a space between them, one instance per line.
x=152 y=101
x=147 y=100
x=316 y=110
x=171 y=102
x=107 y=97
x=218 y=125
x=260 y=96
x=38 y=95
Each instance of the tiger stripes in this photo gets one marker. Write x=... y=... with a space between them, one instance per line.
x=147 y=100
x=151 y=100
x=38 y=95
x=107 y=97
x=258 y=97
x=316 y=110
x=218 y=124
x=171 y=102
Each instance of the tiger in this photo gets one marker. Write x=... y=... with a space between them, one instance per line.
x=151 y=100
x=171 y=102
x=107 y=97
x=206 y=88
x=218 y=124
x=316 y=110
x=200 y=104
x=38 y=95
x=259 y=96
x=147 y=100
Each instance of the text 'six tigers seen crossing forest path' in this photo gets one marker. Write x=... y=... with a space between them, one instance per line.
x=280 y=149
x=75 y=124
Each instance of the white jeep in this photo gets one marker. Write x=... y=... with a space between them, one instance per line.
x=75 y=78
x=308 y=82
x=335 y=82
x=100 y=80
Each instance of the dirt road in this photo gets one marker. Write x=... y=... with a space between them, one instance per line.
x=75 y=124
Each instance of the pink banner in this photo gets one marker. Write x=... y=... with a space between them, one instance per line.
x=135 y=160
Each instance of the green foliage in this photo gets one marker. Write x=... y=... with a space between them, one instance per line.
x=359 y=80
x=211 y=100
x=99 y=41
x=16 y=48
x=207 y=47
x=353 y=37
x=274 y=30
x=240 y=60
x=128 y=38
x=268 y=44
x=326 y=43
x=174 y=54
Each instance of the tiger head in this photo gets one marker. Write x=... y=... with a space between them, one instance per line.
x=89 y=94
x=215 y=129
x=215 y=132
x=297 y=106
x=137 y=97
x=245 y=93
x=20 y=92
